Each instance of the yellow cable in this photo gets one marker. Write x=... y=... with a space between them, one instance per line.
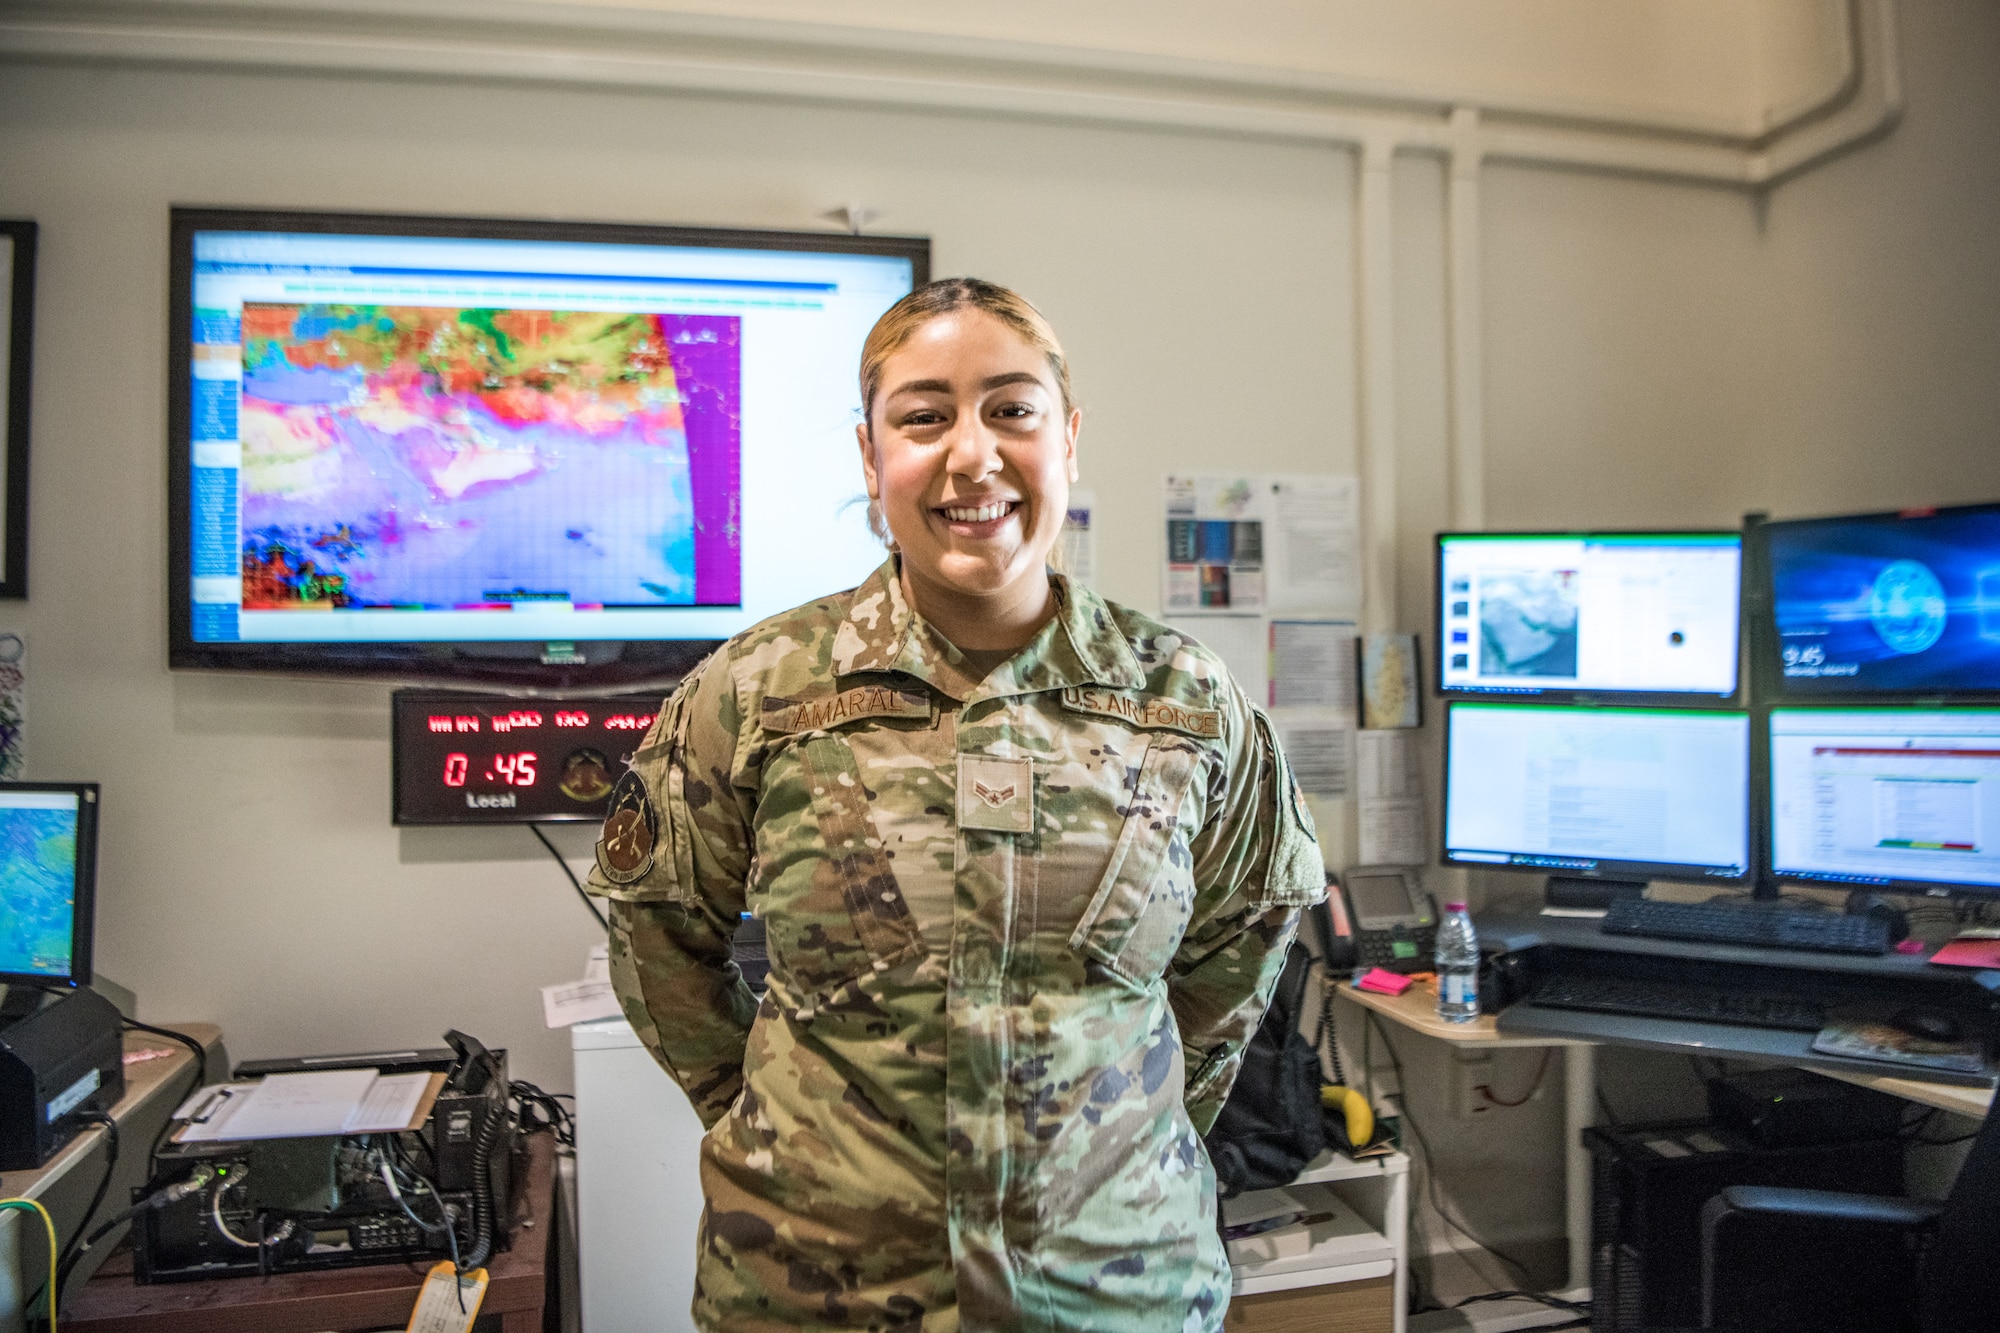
x=48 y=1224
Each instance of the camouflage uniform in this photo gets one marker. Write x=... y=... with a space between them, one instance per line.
x=1020 y=929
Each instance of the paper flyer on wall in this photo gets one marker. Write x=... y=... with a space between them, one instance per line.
x=1262 y=541
x=1392 y=802
x=1390 y=695
x=1319 y=745
x=1079 y=537
x=1312 y=665
x=1240 y=641
x=1310 y=693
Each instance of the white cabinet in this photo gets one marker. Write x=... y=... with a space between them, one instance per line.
x=638 y=1188
x=1363 y=1241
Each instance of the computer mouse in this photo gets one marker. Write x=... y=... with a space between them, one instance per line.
x=1928 y=1024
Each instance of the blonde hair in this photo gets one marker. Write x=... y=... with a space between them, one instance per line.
x=901 y=321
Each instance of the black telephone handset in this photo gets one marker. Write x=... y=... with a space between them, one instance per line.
x=475 y=1063
x=1332 y=929
x=1394 y=920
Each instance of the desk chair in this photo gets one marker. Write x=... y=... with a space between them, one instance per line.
x=1777 y=1260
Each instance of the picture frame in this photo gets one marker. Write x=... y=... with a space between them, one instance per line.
x=17 y=279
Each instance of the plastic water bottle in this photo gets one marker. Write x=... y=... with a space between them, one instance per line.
x=1457 y=966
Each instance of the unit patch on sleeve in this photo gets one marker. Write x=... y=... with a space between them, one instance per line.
x=1145 y=710
x=631 y=829
x=785 y=716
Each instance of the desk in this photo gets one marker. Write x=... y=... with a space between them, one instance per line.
x=1416 y=1009
x=66 y=1181
x=356 y=1298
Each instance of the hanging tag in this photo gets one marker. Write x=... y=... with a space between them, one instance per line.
x=997 y=795
x=437 y=1309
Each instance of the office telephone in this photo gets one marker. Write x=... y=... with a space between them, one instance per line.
x=1378 y=916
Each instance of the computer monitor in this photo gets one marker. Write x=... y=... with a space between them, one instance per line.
x=1631 y=613
x=552 y=454
x=1900 y=799
x=48 y=881
x=1598 y=793
x=1886 y=605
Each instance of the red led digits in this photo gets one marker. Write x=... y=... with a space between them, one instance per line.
x=628 y=722
x=575 y=718
x=455 y=768
x=513 y=770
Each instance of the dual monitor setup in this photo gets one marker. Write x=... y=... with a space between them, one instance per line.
x=1599 y=727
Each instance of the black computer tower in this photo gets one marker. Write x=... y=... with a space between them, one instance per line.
x=1648 y=1185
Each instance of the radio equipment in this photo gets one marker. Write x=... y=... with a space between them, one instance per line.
x=304 y=1204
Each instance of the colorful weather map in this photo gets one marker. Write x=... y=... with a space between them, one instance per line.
x=37 y=889
x=425 y=458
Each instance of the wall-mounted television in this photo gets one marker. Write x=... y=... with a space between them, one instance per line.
x=543 y=453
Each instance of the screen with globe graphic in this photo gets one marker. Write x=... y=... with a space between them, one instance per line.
x=1889 y=603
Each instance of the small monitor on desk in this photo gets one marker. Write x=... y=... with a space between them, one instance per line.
x=1598 y=793
x=1556 y=614
x=48 y=863
x=1898 y=799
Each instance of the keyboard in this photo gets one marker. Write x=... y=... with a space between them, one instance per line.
x=1701 y=1004
x=1758 y=924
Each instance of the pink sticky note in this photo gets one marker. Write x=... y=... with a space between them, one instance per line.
x=1383 y=982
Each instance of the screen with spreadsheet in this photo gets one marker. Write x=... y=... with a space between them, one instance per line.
x=1886 y=797
x=1616 y=792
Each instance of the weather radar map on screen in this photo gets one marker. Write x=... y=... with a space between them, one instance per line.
x=461 y=459
x=37 y=882
x=1888 y=603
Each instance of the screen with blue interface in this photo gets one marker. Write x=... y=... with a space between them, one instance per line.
x=1598 y=791
x=1888 y=603
x=1886 y=797
x=435 y=438
x=1633 y=612
x=38 y=849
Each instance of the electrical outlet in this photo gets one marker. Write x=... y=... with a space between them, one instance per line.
x=1471 y=1076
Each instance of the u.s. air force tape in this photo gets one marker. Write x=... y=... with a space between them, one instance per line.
x=1145 y=710
x=631 y=830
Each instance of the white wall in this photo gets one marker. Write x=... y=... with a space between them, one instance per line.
x=250 y=875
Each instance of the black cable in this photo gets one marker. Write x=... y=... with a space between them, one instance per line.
x=1945 y=1143
x=548 y=1110
x=73 y=1251
x=200 y=1081
x=1430 y=1174
x=1541 y=1072
x=1542 y=1297
x=200 y=1052
x=575 y=883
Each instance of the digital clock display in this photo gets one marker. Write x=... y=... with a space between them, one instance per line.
x=462 y=758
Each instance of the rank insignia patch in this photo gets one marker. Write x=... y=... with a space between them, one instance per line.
x=631 y=829
x=997 y=795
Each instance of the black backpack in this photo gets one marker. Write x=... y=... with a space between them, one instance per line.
x=1271 y=1126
